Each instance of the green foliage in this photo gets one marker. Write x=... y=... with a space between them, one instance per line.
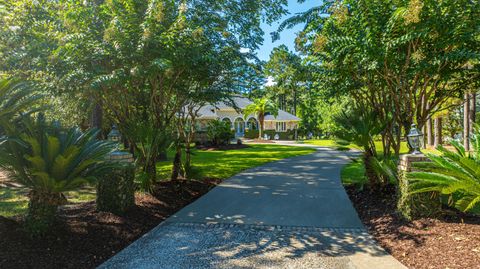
x=259 y=108
x=48 y=158
x=403 y=59
x=219 y=132
x=116 y=191
x=16 y=99
x=452 y=173
x=137 y=61
x=288 y=75
x=359 y=128
x=452 y=124
x=288 y=135
x=251 y=134
x=416 y=205
x=49 y=161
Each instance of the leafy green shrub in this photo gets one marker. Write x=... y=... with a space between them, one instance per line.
x=219 y=133
x=116 y=190
x=288 y=135
x=251 y=134
x=456 y=174
x=361 y=128
x=49 y=161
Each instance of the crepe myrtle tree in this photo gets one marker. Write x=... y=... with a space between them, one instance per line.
x=403 y=58
x=139 y=60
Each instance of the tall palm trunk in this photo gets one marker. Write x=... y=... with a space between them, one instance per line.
x=151 y=171
x=370 y=172
x=261 y=120
x=42 y=209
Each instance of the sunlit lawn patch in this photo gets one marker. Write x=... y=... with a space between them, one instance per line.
x=226 y=163
x=14 y=201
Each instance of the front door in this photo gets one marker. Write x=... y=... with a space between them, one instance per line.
x=239 y=128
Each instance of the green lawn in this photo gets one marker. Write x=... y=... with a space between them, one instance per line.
x=14 y=201
x=354 y=173
x=224 y=164
x=333 y=143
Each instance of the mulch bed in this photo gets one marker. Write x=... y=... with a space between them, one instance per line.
x=84 y=237
x=222 y=147
x=450 y=242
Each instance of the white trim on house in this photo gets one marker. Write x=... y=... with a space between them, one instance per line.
x=222 y=111
x=281 y=126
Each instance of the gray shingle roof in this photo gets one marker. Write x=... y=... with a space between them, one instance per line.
x=283 y=115
x=208 y=111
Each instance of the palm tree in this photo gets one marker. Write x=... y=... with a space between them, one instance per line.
x=49 y=161
x=452 y=173
x=360 y=128
x=259 y=108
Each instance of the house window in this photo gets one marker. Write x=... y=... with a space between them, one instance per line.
x=281 y=126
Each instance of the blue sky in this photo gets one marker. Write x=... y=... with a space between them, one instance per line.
x=287 y=37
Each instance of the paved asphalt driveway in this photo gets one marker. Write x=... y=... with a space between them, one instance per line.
x=292 y=213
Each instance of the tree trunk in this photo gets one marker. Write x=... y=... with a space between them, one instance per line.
x=177 y=162
x=370 y=173
x=472 y=112
x=261 y=121
x=438 y=132
x=42 y=210
x=295 y=102
x=188 y=160
x=96 y=120
x=151 y=173
x=430 y=138
x=466 y=123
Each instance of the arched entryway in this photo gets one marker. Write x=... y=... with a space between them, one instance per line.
x=239 y=127
x=227 y=121
x=252 y=124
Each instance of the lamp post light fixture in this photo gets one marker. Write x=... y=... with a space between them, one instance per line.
x=415 y=139
x=114 y=135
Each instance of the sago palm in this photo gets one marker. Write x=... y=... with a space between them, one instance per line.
x=259 y=108
x=451 y=173
x=361 y=128
x=49 y=161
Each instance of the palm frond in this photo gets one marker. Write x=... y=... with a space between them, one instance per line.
x=451 y=173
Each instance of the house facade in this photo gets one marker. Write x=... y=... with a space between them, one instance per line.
x=285 y=123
